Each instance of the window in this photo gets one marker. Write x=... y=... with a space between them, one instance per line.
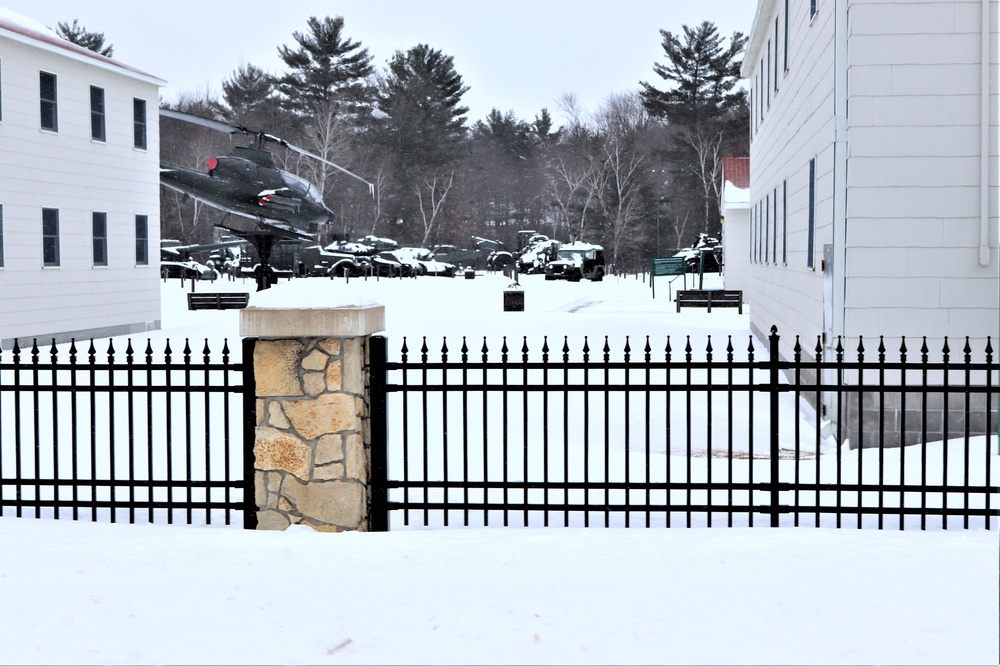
x=1 y=235
x=784 y=222
x=812 y=213
x=767 y=229
x=785 y=52
x=100 y=223
x=141 y=240
x=760 y=231
x=760 y=85
x=47 y=95
x=776 y=54
x=139 y=122
x=50 y=237
x=97 y=132
x=774 y=241
x=768 y=73
x=812 y=8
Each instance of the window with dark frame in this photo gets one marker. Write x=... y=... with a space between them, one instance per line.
x=776 y=42
x=785 y=52
x=141 y=240
x=774 y=246
x=784 y=222
x=47 y=98
x=767 y=229
x=812 y=213
x=760 y=83
x=139 y=122
x=50 y=236
x=760 y=231
x=769 y=74
x=100 y=226
x=97 y=129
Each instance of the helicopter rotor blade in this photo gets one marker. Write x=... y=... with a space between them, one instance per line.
x=301 y=151
x=210 y=123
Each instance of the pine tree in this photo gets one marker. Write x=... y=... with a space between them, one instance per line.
x=420 y=97
x=421 y=130
x=249 y=98
x=504 y=129
x=706 y=114
x=703 y=74
x=80 y=36
x=327 y=67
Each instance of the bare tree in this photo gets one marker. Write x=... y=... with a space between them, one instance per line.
x=707 y=166
x=328 y=135
x=431 y=196
x=621 y=122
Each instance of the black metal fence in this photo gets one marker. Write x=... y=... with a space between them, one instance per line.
x=127 y=439
x=576 y=437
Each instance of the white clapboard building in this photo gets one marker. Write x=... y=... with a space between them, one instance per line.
x=873 y=197
x=79 y=190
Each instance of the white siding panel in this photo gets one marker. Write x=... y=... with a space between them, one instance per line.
x=907 y=141
x=898 y=291
x=910 y=49
x=935 y=79
x=69 y=171
x=928 y=202
x=947 y=171
x=899 y=232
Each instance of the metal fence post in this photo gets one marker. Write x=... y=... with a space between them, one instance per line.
x=773 y=385
x=249 y=435
x=379 y=510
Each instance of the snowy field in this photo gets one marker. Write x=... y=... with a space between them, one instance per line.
x=99 y=593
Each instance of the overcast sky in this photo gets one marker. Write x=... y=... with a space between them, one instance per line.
x=519 y=55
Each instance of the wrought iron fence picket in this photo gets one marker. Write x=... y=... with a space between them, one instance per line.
x=592 y=469
x=87 y=440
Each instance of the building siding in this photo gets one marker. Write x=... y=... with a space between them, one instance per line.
x=913 y=145
x=69 y=171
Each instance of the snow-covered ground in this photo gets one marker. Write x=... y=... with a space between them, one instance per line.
x=100 y=593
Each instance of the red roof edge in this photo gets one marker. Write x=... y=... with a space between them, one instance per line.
x=736 y=170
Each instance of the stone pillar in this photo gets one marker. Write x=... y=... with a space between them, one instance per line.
x=312 y=448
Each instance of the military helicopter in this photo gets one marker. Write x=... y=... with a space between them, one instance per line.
x=269 y=204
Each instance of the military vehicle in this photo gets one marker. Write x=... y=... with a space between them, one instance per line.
x=575 y=262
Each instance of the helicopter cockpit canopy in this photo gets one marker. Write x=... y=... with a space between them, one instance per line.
x=303 y=188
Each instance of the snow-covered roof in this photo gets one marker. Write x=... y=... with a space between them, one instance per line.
x=580 y=247
x=28 y=31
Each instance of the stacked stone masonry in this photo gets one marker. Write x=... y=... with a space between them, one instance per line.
x=312 y=445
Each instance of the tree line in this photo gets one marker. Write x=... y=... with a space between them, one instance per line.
x=641 y=175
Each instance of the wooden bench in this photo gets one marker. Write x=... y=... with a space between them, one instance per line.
x=221 y=301
x=675 y=266
x=709 y=298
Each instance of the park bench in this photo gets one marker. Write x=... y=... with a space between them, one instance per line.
x=668 y=266
x=221 y=301
x=709 y=298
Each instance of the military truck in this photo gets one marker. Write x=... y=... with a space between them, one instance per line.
x=575 y=262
